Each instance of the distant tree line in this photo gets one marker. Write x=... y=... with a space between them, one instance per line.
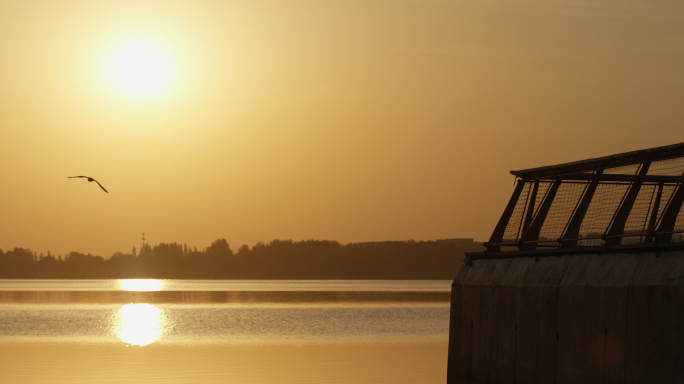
x=279 y=259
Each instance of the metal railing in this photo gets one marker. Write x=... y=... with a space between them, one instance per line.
x=629 y=198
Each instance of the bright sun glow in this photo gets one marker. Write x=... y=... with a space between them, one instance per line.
x=141 y=285
x=140 y=70
x=140 y=324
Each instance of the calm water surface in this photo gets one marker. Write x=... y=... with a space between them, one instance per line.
x=185 y=331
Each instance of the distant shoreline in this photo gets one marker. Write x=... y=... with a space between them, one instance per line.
x=277 y=260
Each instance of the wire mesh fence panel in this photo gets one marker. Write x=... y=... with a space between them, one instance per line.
x=541 y=195
x=560 y=213
x=668 y=192
x=679 y=223
x=520 y=215
x=602 y=208
x=637 y=221
x=668 y=167
x=512 y=232
x=630 y=169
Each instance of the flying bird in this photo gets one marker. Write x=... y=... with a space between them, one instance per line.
x=89 y=179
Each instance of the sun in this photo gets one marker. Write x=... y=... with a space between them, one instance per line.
x=140 y=69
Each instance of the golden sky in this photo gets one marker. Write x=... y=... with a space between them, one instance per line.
x=341 y=120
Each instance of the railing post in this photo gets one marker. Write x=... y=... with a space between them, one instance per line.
x=617 y=228
x=497 y=235
x=572 y=231
x=528 y=239
x=530 y=208
x=654 y=214
x=669 y=219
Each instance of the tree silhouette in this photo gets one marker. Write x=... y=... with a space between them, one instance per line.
x=279 y=259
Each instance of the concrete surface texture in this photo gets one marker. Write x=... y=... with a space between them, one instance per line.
x=580 y=318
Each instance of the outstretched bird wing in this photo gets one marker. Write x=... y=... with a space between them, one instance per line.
x=89 y=179
x=98 y=183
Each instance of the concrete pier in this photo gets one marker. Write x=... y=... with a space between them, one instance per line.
x=583 y=279
x=580 y=318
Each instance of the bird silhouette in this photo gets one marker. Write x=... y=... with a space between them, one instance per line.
x=89 y=179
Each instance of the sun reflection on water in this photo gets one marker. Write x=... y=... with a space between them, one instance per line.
x=140 y=324
x=141 y=285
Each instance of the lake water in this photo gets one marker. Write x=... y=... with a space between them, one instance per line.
x=199 y=331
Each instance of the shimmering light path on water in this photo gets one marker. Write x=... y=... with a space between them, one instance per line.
x=210 y=340
x=142 y=324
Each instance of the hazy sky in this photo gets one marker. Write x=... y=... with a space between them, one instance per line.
x=342 y=120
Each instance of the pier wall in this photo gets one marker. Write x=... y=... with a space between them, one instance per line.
x=568 y=319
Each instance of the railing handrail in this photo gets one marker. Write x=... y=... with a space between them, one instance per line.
x=612 y=161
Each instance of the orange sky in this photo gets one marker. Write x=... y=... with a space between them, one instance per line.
x=342 y=120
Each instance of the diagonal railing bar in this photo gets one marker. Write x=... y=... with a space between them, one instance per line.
x=532 y=235
x=497 y=236
x=654 y=213
x=669 y=218
x=617 y=227
x=572 y=229
x=530 y=209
